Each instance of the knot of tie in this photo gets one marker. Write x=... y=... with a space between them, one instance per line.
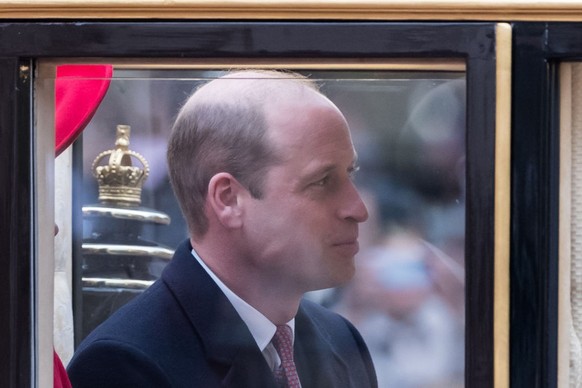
x=286 y=375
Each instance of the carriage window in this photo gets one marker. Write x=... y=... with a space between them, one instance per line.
x=408 y=127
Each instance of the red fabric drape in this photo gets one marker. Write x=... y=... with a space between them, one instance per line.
x=79 y=89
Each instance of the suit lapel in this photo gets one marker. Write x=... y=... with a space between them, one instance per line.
x=249 y=371
x=228 y=344
x=318 y=364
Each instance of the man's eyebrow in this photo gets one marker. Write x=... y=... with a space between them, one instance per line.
x=322 y=171
x=327 y=168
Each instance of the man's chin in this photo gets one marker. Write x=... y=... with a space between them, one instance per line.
x=339 y=277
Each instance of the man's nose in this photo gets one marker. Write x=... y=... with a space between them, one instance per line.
x=354 y=208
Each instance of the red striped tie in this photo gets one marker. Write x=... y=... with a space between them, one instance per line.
x=286 y=374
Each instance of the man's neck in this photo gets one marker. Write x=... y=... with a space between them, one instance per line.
x=266 y=294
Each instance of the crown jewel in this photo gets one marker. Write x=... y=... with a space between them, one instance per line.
x=119 y=181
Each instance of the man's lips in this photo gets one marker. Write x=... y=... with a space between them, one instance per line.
x=350 y=246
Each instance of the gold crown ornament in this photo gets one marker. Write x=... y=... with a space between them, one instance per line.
x=120 y=182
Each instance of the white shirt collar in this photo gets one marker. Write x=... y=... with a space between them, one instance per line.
x=260 y=327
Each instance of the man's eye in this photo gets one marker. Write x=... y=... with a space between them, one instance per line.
x=322 y=182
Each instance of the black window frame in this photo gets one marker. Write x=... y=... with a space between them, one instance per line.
x=23 y=43
x=538 y=50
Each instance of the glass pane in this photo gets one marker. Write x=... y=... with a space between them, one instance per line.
x=408 y=127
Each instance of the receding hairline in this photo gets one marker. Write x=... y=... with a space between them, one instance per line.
x=267 y=74
x=256 y=86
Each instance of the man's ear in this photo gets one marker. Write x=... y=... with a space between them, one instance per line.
x=223 y=197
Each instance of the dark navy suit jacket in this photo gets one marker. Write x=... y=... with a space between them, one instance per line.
x=183 y=332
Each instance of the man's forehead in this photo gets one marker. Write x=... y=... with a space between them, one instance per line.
x=317 y=143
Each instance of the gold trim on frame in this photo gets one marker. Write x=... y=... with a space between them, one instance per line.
x=501 y=10
x=428 y=64
x=502 y=205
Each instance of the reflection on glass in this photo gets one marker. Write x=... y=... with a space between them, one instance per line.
x=407 y=298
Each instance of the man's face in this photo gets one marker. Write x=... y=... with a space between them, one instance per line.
x=303 y=232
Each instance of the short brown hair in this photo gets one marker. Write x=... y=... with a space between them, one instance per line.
x=222 y=128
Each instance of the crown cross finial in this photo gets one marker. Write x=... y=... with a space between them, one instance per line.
x=119 y=181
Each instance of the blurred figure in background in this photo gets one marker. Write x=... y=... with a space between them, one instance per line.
x=408 y=303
